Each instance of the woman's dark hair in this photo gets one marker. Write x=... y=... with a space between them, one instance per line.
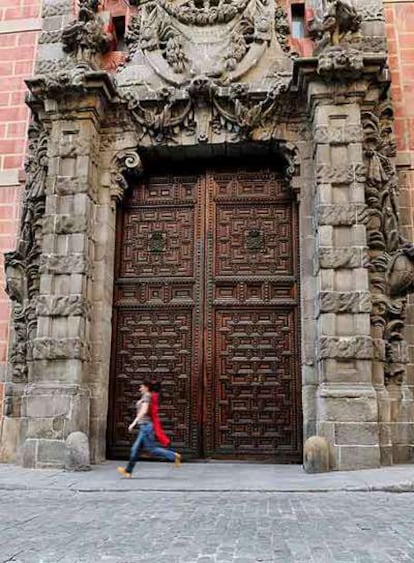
x=156 y=387
x=147 y=383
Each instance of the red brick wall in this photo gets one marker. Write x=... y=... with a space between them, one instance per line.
x=400 y=33
x=19 y=28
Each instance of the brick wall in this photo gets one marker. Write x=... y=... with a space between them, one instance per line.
x=20 y=23
x=399 y=16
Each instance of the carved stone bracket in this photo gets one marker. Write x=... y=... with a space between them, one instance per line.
x=340 y=63
x=126 y=165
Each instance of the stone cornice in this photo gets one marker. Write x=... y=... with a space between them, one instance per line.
x=69 y=91
x=325 y=89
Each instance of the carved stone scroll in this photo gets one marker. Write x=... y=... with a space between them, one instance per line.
x=126 y=164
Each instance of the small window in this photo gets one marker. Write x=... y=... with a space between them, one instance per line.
x=298 y=21
x=119 y=25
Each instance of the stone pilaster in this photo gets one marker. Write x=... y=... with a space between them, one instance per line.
x=56 y=400
x=346 y=399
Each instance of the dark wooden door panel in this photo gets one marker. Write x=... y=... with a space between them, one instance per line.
x=157 y=310
x=251 y=312
x=206 y=303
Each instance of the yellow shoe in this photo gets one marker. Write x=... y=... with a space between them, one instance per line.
x=123 y=472
x=177 y=460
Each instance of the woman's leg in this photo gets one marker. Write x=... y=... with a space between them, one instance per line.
x=149 y=444
x=133 y=457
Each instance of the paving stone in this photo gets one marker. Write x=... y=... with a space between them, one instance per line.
x=51 y=526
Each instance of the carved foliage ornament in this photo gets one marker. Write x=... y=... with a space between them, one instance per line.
x=391 y=264
x=22 y=265
x=232 y=110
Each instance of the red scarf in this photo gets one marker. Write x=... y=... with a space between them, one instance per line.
x=154 y=414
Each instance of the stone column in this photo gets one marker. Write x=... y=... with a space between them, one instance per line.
x=346 y=400
x=56 y=401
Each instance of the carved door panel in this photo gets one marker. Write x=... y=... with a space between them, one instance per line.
x=157 y=326
x=253 y=393
x=206 y=302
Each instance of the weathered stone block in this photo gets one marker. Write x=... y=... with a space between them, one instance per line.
x=356 y=433
x=316 y=455
x=346 y=257
x=344 y=302
x=65 y=224
x=77 y=456
x=346 y=215
x=61 y=305
x=346 y=405
x=358 y=457
x=49 y=428
x=357 y=347
x=60 y=349
x=340 y=134
x=61 y=264
x=341 y=173
x=44 y=406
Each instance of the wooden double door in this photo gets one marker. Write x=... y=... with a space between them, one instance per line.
x=206 y=302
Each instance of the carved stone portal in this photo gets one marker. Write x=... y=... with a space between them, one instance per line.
x=202 y=79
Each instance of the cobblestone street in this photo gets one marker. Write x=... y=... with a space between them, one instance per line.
x=51 y=526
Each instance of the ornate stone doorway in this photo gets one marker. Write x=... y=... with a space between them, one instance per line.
x=206 y=302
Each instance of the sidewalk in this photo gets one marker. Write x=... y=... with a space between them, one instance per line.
x=208 y=477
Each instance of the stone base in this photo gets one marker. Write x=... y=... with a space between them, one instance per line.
x=43 y=454
x=11 y=430
x=356 y=457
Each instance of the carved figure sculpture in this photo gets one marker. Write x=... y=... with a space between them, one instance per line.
x=85 y=37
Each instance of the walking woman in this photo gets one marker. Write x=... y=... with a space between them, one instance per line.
x=145 y=438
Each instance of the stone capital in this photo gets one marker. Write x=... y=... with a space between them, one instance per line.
x=336 y=86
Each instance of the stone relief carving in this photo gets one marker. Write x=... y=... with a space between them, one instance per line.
x=234 y=110
x=236 y=33
x=162 y=120
x=22 y=265
x=391 y=263
x=55 y=9
x=240 y=114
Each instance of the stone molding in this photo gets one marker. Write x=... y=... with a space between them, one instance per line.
x=342 y=348
x=62 y=264
x=345 y=257
x=344 y=302
x=62 y=305
x=341 y=215
x=60 y=349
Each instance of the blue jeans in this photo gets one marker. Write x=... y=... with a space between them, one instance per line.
x=145 y=439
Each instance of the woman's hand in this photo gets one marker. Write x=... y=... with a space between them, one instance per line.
x=131 y=426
